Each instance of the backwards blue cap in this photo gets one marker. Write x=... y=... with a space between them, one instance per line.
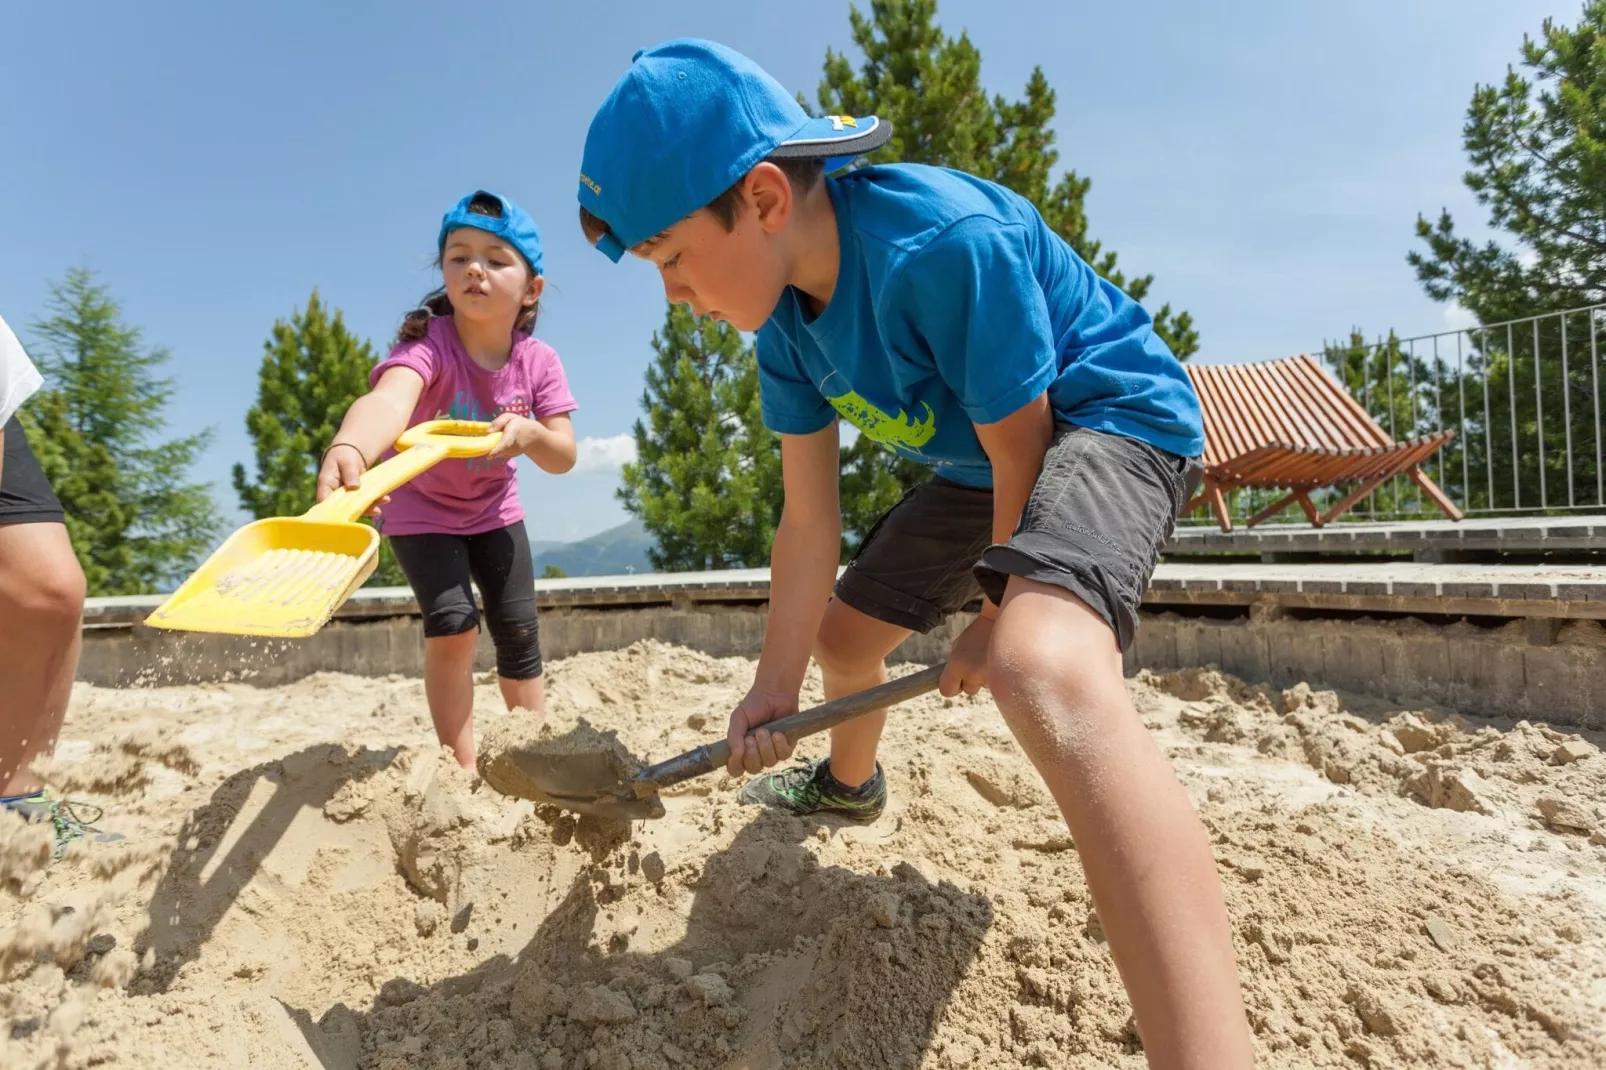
x=684 y=123
x=514 y=226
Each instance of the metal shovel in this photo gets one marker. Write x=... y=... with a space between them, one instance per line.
x=599 y=784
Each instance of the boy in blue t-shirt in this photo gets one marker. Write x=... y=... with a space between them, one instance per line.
x=939 y=315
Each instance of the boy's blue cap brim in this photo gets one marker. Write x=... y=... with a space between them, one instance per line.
x=514 y=226
x=687 y=121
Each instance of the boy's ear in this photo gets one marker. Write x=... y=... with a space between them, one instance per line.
x=769 y=195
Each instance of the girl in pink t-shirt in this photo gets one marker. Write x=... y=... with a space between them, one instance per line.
x=467 y=354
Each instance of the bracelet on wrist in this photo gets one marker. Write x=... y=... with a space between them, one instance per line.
x=325 y=455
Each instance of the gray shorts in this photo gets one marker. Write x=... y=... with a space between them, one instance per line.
x=1095 y=523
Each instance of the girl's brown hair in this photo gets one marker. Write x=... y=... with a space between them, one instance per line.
x=415 y=324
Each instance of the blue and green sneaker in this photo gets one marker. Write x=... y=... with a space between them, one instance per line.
x=809 y=788
x=64 y=818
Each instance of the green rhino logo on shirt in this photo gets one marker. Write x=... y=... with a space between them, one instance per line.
x=900 y=430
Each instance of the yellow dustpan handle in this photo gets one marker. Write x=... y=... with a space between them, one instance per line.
x=462 y=438
x=422 y=447
x=344 y=506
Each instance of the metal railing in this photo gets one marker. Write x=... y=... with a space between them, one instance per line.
x=1523 y=396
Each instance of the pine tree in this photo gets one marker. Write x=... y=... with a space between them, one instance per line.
x=706 y=479
x=1536 y=143
x=137 y=521
x=85 y=478
x=313 y=368
x=929 y=85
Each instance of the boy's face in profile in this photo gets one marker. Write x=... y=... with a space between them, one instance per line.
x=734 y=275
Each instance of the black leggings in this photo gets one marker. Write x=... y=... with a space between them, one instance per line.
x=439 y=567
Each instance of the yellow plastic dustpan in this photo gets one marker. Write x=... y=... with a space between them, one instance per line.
x=285 y=576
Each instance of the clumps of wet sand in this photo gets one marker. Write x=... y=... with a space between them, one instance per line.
x=348 y=897
x=563 y=754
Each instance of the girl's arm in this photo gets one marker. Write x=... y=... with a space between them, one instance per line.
x=549 y=441
x=372 y=425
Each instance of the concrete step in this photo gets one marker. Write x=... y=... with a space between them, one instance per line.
x=1566 y=591
x=1481 y=535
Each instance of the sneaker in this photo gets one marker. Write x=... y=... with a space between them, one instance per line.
x=809 y=788
x=63 y=815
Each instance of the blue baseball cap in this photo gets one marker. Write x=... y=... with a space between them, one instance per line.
x=684 y=123
x=514 y=226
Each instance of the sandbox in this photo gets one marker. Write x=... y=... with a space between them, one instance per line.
x=308 y=882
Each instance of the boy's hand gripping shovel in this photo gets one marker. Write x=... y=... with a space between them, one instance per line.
x=285 y=576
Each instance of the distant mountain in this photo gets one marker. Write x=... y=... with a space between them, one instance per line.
x=608 y=553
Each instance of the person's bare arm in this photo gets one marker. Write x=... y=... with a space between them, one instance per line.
x=372 y=424
x=1016 y=446
x=803 y=563
x=549 y=441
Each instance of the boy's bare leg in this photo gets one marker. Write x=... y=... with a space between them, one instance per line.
x=1055 y=670
x=449 y=688
x=851 y=650
x=41 y=614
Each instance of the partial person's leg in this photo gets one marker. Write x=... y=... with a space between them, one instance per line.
x=449 y=688
x=911 y=574
x=505 y=572
x=437 y=569
x=1070 y=582
x=42 y=590
x=41 y=614
x=851 y=651
x=1148 y=861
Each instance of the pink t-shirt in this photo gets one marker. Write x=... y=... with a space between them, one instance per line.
x=467 y=496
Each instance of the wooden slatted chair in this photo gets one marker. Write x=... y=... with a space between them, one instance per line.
x=1289 y=425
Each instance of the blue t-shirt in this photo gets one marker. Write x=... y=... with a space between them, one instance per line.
x=955 y=303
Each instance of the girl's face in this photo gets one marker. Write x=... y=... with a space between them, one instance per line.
x=486 y=279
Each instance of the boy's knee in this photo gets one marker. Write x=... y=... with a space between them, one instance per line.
x=1023 y=669
x=1049 y=697
x=837 y=652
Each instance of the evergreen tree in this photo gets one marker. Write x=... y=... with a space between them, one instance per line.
x=1536 y=142
x=85 y=478
x=706 y=479
x=137 y=521
x=313 y=368
x=929 y=85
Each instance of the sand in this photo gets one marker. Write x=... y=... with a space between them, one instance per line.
x=309 y=882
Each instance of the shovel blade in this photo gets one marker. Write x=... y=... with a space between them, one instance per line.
x=280 y=577
x=587 y=783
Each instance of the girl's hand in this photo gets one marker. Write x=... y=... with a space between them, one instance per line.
x=519 y=433
x=343 y=467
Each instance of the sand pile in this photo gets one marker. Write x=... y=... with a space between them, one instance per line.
x=312 y=884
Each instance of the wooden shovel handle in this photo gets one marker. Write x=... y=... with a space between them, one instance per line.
x=707 y=758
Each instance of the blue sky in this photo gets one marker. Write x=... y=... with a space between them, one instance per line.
x=215 y=162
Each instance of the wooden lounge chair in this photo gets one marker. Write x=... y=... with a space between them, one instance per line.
x=1289 y=425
